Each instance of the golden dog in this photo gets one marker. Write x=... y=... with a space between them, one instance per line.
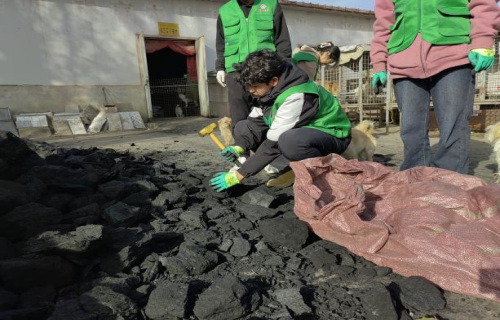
x=226 y=130
x=363 y=143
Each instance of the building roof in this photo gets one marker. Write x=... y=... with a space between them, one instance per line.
x=309 y=5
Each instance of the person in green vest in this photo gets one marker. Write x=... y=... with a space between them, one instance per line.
x=294 y=118
x=310 y=58
x=245 y=26
x=432 y=50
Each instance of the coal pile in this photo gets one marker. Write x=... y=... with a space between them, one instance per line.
x=97 y=234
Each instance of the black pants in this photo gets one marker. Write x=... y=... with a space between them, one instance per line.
x=293 y=145
x=304 y=143
x=239 y=99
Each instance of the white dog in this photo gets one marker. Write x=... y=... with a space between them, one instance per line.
x=492 y=135
x=363 y=143
x=187 y=100
x=178 y=111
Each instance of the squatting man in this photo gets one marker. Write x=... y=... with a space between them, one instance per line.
x=295 y=118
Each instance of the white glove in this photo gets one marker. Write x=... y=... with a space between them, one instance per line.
x=221 y=78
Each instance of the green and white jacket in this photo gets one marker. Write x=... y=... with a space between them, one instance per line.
x=294 y=103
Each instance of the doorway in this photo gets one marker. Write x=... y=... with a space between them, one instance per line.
x=173 y=77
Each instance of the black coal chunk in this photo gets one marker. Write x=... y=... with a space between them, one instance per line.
x=255 y=212
x=20 y=274
x=85 y=239
x=284 y=232
x=28 y=220
x=293 y=300
x=70 y=309
x=12 y=194
x=419 y=294
x=226 y=299
x=378 y=304
x=123 y=215
x=107 y=304
x=168 y=301
x=260 y=197
x=191 y=260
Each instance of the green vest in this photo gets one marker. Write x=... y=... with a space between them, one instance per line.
x=243 y=36
x=305 y=56
x=440 y=22
x=330 y=118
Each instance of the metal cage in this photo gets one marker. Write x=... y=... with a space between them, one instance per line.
x=167 y=94
x=351 y=83
x=488 y=82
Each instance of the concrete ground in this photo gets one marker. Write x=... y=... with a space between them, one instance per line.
x=179 y=136
x=482 y=161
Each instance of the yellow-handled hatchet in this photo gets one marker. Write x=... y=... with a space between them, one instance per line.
x=209 y=130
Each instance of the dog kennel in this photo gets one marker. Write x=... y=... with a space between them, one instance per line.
x=173 y=77
x=350 y=81
x=487 y=99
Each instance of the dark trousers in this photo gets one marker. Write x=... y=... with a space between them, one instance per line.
x=304 y=143
x=293 y=145
x=239 y=99
x=452 y=93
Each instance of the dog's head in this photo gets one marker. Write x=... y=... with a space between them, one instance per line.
x=366 y=126
x=225 y=122
x=492 y=133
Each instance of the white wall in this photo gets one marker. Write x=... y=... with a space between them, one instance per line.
x=92 y=42
x=308 y=26
x=88 y=42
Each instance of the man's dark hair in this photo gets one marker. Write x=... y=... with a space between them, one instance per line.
x=261 y=67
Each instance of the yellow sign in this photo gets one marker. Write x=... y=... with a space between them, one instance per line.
x=168 y=29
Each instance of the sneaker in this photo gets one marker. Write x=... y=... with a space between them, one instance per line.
x=283 y=181
x=271 y=169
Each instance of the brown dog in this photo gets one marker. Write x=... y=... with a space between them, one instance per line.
x=492 y=135
x=226 y=131
x=363 y=143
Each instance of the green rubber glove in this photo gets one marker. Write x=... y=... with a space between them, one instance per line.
x=481 y=59
x=379 y=77
x=232 y=153
x=224 y=180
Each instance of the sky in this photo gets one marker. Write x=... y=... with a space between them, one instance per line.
x=358 y=4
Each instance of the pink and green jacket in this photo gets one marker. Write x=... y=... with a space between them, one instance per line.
x=421 y=43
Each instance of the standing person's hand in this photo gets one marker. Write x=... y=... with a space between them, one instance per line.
x=379 y=77
x=221 y=78
x=481 y=59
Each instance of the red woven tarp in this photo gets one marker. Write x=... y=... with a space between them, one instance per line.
x=426 y=222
